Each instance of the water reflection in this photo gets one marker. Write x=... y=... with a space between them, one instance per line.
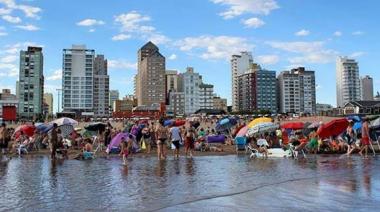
x=201 y=183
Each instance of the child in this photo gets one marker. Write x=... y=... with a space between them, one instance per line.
x=124 y=150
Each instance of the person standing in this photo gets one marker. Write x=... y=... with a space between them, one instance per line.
x=54 y=141
x=189 y=140
x=146 y=138
x=162 y=136
x=175 y=137
x=4 y=138
x=365 y=137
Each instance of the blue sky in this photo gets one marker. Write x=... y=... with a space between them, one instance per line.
x=198 y=33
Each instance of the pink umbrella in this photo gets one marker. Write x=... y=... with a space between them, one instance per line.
x=242 y=132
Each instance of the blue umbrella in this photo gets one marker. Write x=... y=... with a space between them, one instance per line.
x=354 y=118
x=44 y=128
x=168 y=122
x=225 y=124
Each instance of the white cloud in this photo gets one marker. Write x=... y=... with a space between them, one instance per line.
x=91 y=30
x=253 y=22
x=120 y=37
x=240 y=7
x=29 y=11
x=214 y=47
x=267 y=59
x=57 y=75
x=9 y=62
x=357 y=54
x=302 y=32
x=5 y=11
x=136 y=25
x=358 y=33
x=28 y=27
x=172 y=57
x=310 y=52
x=90 y=22
x=121 y=64
x=338 y=33
x=12 y=19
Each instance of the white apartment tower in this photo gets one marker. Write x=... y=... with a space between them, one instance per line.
x=239 y=65
x=191 y=82
x=78 y=79
x=347 y=81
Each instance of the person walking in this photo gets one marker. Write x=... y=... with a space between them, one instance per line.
x=365 y=138
x=146 y=138
x=4 y=138
x=189 y=140
x=162 y=136
x=175 y=137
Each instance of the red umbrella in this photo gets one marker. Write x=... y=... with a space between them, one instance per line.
x=293 y=125
x=178 y=123
x=332 y=128
x=26 y=129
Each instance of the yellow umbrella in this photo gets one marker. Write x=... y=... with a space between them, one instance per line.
x=258 y=121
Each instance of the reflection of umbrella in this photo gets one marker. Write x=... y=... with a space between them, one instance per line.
x=66 y=130
x=262 y=128
x=332 y=128
x=98 y=126
x=293 y=125
x=242 y=131
x=26 y=129
x=65 y=121
x=258 y=121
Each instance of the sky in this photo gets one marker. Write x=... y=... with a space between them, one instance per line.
x=199 y=33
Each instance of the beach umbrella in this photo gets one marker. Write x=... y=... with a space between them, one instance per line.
x=65 y=121
x=372 y=117
x=237 y=129
x=242 y=132
x=44 y=128
x=354 y=118
x=168 y=122
x=375 y=123
x=293 y=125
x=258 y=121
x=179 y=123
x=262 y=128
x=357 y=126
x=66 y=130
x=314 y=125
x=225 y=124
x=332 y=128
x=96 y=126
x=27 y=129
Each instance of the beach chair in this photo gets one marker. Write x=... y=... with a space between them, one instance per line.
x=254 y=153
x=295 y=152
x=240 y=143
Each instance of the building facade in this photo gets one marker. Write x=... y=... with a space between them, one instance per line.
x=347 y=81
x=220 y=103
x=176 y=103
x=247 y=100
x=239 y=65
x=48 y=99
x=101 y=87
x=78 y=80
x=266 y=90
x=321 y=108
x=150 y=79
x=366 y=85
x=297 y=91
x=8 y=106
x=114 y=95
x=31 y=83
x=191 y=82
x=206 y=96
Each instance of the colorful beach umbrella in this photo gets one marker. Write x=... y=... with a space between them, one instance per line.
x=375 y=123
x=258 y=121
x=262 y=128
x=65 y=121
x=332 y=128
x=27 y=129
x=293 y=125
x=242 y=132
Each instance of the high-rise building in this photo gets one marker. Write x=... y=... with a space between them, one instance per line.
x=101 y=87
x=347 y=81
x=297 y=91
x=150 y=80
x=114 y=95
x=191 y=82
x=366 y=88
x=171 y=80
x=266 y=90
x=48 y=99
x=240 y=64
x=206 y=96
x=247 y=100
x=78 y=80
x=176 y=103
x=31 y=83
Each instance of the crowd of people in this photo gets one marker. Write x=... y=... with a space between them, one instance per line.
x=144 y=136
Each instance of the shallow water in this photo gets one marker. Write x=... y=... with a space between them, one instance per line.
x=212 y=183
